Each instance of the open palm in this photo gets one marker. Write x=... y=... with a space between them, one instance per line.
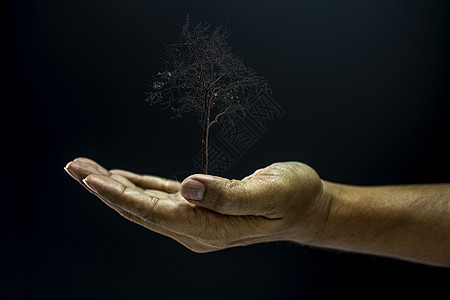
x=156 y=203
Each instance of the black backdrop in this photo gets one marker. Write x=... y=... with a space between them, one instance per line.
x=365 y=89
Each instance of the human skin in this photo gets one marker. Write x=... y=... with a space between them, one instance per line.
x=285 y=201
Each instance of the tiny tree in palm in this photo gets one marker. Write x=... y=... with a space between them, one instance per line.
x=201 y=74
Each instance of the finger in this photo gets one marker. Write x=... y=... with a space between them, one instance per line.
x=123 y=181
x=186 y=241
x=150 y=182
x=80 y=168
x=230 y=197
x=94 y=163
x=254 y=174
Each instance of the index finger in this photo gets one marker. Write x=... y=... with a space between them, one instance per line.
x=80 y=168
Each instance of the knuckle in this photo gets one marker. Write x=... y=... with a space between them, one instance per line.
x=234 y=185
x=227 y=195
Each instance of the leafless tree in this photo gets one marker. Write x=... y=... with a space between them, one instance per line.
x=203 y=75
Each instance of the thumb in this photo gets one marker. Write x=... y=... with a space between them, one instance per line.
x=230 y=197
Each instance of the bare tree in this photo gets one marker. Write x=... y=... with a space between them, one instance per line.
x=201 y=74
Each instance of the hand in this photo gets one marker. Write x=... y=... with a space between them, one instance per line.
x=283 y=201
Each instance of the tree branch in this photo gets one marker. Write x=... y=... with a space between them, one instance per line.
x=229 y=109
x=196 y=58
x=215 y=81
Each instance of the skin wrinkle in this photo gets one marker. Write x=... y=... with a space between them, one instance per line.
x=155 y=193
x=316 y=237
x=225 y=236
x=203 y=236
x=272 y=206
x=145 y=213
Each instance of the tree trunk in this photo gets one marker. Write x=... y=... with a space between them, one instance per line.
x=205 y=138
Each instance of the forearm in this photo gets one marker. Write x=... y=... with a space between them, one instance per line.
x=407 y=222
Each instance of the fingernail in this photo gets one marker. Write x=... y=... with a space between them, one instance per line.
x=192 y=189
x=91 y=188
x=66 y=168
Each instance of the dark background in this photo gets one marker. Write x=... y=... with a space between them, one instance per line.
x=365 y=89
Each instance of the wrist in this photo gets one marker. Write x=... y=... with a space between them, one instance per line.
x=323 y=206
x=329 y=198
x=311 y=220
